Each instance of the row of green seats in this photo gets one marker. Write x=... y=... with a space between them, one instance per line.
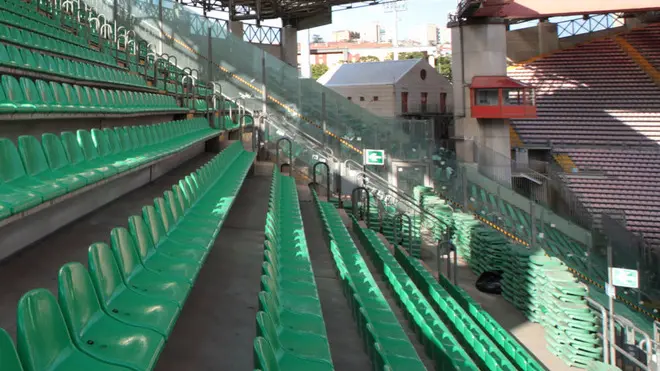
x=24 y=15
x=34 y=40
x=291 y=333
x=385 y=340
x=26 y=59
x=24 y=96
x=445 y=291
x=441 y=345
x=119 y=314
x=37 y=172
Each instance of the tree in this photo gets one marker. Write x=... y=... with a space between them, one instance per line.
x=443 y=66
x=318 y=70
x=317 y=39
x=368 y=58
x=406 y=55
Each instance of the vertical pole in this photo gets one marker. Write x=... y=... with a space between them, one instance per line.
x=160 y=27
x=395 y=39
x=264 y=97
x=324 y=118
x=533 y=220
x=611 y=306
x=209 y=75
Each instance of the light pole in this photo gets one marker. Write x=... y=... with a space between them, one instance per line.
x=396 y=8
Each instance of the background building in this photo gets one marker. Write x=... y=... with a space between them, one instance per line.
x=392 y=88
x=345 y=35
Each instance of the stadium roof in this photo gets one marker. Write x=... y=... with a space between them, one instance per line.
x=271 y=9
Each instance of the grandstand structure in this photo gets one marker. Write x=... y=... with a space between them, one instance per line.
x=160 y=192
x=598 y=115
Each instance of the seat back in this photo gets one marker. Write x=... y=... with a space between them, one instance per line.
x=59 y=94
x=11 y=166
x=30 y=91
x=164 y=211
x=180 y=197
x=141 y=235
x=45 y=92
x=113 y=140
x=12 y=89
x=70 y=94
x=125 y=252
x=154 y=223
x=73 y=150
x=173 y=205
x=124 y=138
x=41 y=333
x=77 y=297
x=132 y=134
x=265 y=354
x=104 y=271
x=101 y=142
x=266 y=329
x=32 y=154
x=87 y=144
x=8 y=356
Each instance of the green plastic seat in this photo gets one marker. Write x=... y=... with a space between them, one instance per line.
x=197 y=224
x=8 y=355
x=267 y=358
x=306 y=345
x=289 y=319
x=15 y=95
x=13 y=175
x=124 y=304
x=75 y=154
x=102 y=144
x=151 y=260
x=145 y=281
x=92 y=155
x=46 y=95
x=6 y=107
x=58 y=160
x=183 y=234
x=43 y=340
x=62 y=99
x=32 y=96
x=98 y=334
x=36 y=165
x=167 y=246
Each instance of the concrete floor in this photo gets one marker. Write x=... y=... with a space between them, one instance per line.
x=529 y=334
x=346 y=345
x=37 y=265
x=216 y=328
x=389 y=295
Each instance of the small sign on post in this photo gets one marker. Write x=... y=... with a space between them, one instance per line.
x=610 y=290
x=374 y=157
x=625 y=278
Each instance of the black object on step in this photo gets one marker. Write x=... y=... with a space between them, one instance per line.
x=490 y=282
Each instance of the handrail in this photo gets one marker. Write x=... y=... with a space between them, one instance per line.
x=354 y=195
x=277 y=154
x=327 y=177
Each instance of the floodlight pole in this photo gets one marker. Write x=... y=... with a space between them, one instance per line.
x=399 y=6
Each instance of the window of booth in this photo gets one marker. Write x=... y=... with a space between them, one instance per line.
x=487 y=97
x=513 y=97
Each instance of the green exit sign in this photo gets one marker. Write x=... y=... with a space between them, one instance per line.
x=374 y=157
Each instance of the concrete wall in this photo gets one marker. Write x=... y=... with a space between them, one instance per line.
x=385 y=104
x=522 y=44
